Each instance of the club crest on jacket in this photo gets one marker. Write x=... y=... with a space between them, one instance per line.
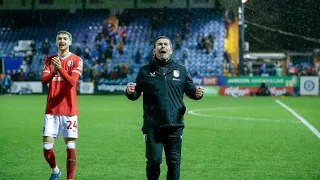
x=176 y=73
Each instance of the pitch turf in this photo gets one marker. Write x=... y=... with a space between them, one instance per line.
x=224 y=138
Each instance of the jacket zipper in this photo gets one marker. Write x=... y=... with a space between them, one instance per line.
x=165 y=79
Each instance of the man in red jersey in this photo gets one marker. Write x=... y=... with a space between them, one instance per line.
x=61 y=71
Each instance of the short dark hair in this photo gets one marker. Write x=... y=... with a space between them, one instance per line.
x=162 y=37
x=67 y=33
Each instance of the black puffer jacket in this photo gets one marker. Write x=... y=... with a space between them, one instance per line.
x=163 y=86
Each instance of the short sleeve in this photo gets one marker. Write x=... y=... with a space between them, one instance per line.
x=47 y=65
x=78 y=67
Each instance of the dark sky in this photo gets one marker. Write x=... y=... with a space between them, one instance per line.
x=299 y=17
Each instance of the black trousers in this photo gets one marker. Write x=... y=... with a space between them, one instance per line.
x=169 y=139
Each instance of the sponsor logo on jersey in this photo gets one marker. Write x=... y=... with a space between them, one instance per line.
x=58 y=78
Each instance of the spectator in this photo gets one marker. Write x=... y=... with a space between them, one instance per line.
x=114 y=73
x=21 y=74
x=208 y=46
x=33 y=47
x=185 y=56
x=15 y=75
x=45 y=47
x=78 y=51
x=203 y=41
x=178 y=41
x=227 y=58
x=199 y=41
x=310 y=70
x=2 y=88
x=24 y=66
x=29 y=59
x=123 y=35
x=98 y=46
x=124 y=70
x=245 y=70
x=263 y=90
x=31 y=75
x=86 y=73
x=231 y=68
x=292 y=70
x=97 y=70
x=108 y=51
x=120 y=47
x=87 y=54
x=317 y=66
x=138 y=56
x=96 y=53
x=7 y=82
x=103 y=43
x=263 y=68
x=211 y=38
x=105 y=73
x=86 y=38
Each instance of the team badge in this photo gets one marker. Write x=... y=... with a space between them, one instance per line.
x=176 y=73
x=70 y=63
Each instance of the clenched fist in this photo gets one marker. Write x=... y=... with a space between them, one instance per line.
x=199 y=91
x=131 y=87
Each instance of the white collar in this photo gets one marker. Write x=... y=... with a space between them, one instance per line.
x=65 y=57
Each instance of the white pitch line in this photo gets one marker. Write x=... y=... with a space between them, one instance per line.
x=195 y=112
x=305 y=122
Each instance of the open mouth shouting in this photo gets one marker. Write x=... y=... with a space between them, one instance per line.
x=163 y=52
x=162 y=49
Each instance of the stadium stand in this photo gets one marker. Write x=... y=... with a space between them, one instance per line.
x=200 y=56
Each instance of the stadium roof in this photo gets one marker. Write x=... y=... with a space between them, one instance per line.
x=283 y=25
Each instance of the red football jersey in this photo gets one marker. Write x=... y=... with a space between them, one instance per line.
x=62 y=96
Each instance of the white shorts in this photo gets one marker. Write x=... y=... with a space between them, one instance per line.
x=54 y=124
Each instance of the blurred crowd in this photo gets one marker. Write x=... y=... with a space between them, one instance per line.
x=301 y=67
x=110 y=42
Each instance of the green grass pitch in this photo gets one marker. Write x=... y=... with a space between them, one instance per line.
x=224 y=138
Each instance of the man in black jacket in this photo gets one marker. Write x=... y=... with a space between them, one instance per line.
x=163 y=83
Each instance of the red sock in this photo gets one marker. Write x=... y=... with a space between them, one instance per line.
x=50 y=157
x=71 y=163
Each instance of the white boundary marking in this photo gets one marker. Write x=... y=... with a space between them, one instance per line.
x=196 y=113
x=305 y=122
